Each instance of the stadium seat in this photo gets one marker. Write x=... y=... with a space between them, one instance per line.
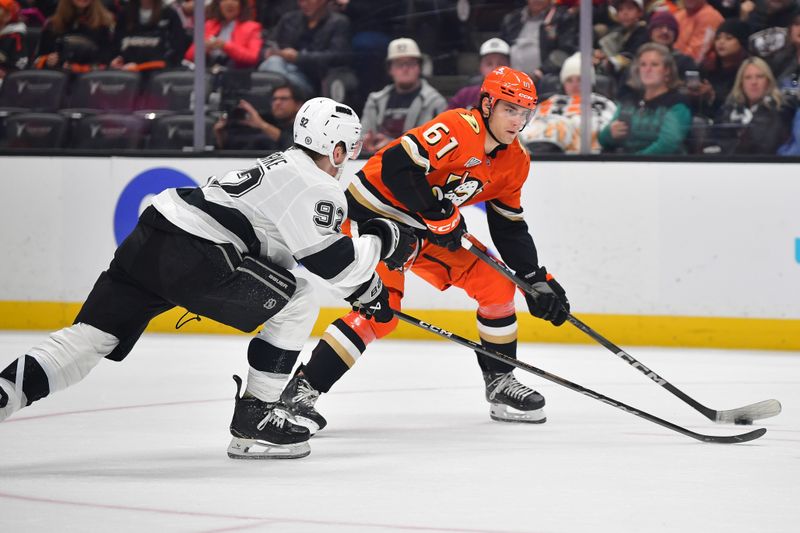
x=176 y=132
x=105 y=90
x=36 y=90
x=34 y=130
x=170 y=90
x=109 y=132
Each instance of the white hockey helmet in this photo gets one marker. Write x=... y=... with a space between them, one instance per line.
x=323 y=123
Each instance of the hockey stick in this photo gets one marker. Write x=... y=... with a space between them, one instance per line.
x=744 y=437
x=741 y=415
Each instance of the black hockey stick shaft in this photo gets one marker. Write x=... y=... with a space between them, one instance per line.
x=731 y=439
x=764 y=409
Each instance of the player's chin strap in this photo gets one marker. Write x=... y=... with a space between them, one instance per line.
x=501 y=144
x=744 y=437
x=756 y=411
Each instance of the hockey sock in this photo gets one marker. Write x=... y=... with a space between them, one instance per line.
x=269 y=369
x=337 y=351
x=498 y=334
x=26 y=376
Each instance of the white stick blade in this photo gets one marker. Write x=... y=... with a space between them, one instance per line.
x=756 y=411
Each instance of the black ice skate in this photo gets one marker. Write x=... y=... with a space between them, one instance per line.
x=262 y=430
x=299 y=398
x=511 y=401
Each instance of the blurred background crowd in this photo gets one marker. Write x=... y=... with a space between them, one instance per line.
x=697 y=77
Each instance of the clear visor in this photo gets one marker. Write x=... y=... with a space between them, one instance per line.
x=513 y=112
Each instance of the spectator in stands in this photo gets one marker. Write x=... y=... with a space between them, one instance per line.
x=148 y=36
x=541 y=35
x=494 y=53
x=407 y=102
x=720 y=67
x=254 y=132
x=78 y=37
x=232 y=38
x=616 y=50
x=556 y=124
x=307 y=43
x=663 y=29
x=656 y=120
x=754 y=119
x=269 y=12
x=13 y=48
x=785 y=63
x=768 y=20
x=373 y=25
x=792 y=146
x=697 y=23
x=185 y=11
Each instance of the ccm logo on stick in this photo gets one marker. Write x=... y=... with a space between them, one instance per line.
x=434 y=328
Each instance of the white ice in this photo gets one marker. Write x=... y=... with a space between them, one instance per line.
x=140 y=446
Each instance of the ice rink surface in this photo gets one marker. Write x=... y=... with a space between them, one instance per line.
x=140 y=446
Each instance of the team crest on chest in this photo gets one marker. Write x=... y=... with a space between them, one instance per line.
x=458 y=189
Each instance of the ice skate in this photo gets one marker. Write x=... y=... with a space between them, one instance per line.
x=262 y=430
x=299 y=398
x=511 y=401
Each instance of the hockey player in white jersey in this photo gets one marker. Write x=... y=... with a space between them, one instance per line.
x=225 y=251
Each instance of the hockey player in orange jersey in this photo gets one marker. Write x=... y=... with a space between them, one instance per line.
x=459 y=158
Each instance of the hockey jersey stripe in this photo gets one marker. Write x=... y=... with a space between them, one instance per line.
x=510 y=213
x=366 y=195
x=231 y=219
x=333 y=262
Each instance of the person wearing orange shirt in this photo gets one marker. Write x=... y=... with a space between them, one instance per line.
x=461 y=157
x=697 y=25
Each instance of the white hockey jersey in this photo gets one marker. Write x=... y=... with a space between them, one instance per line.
x=285 y=210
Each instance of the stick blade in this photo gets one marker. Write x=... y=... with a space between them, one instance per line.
x=756 y=411
x=734 y=439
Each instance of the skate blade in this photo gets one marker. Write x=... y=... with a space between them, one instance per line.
x=260 y=449
x=504 y=413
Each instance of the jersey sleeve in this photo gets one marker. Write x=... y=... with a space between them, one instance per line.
x=421 y=150
x=507 y=225
x=311 y=228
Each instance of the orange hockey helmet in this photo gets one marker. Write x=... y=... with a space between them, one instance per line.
x=505 y=83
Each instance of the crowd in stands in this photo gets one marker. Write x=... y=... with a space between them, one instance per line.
x=668 y=76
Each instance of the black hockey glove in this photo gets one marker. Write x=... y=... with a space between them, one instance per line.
x=445 y=226
x=399 y=243
x=371 y=300
x=550 y=302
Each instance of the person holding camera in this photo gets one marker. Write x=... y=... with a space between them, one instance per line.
x=243 y=128
x=655 y=119
x=77 y=37
x=718 y=70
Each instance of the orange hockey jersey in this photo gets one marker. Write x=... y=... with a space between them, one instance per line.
x=443 y=158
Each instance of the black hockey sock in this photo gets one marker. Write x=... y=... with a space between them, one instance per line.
x=333 y=356
x=265 y=357
x=35 y=384
x=495 y=336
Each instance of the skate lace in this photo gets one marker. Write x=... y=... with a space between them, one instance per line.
x=509 y=385
x=306 y=394
x=274 y=417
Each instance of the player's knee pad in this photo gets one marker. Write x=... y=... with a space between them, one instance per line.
x=494 y=311
x=69 y=354
x=291 y=327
